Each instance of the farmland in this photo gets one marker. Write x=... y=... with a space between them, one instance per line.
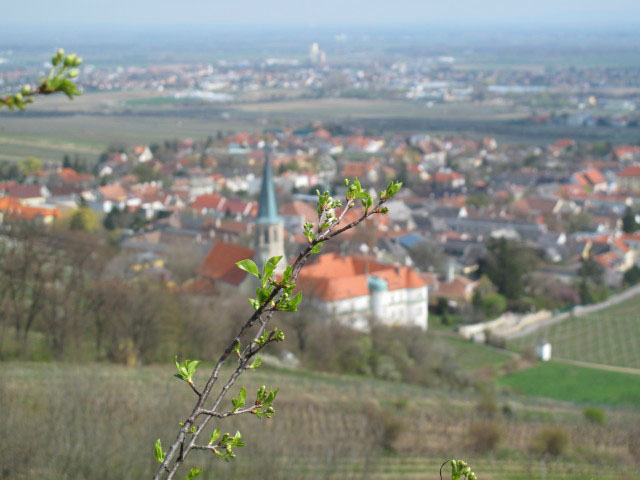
x=609 y=337
x=576 y=384
x=82 y=418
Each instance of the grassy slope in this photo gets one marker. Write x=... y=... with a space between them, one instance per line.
x=576 y=384
x=471 y=355
x=610 y=337
x=100 y=421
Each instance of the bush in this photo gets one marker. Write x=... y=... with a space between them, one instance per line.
x=550 y=441
x=484 y=437
x=493 y=305
x=384 y=425
x=487 y=405
x=594 y=415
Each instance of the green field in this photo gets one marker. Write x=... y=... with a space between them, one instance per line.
x=576 y=384
x=609 y=337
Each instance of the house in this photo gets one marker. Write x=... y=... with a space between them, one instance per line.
x=448 y=178
x=627 y=153
x=591 y=178
x=12 y=209
x=142 y=153
x=209 y=203
x=358 y=290
x=29 y=193
x=629 y=178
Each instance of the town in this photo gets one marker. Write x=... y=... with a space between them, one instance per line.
x=568 y=208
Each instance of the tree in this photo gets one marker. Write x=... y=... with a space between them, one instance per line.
x=631 y=276
x=427 y=256
x=493 y=304
x=273 y=294
x=84 y=219
x=29 y=166
x=629 y=223
x=507 y=264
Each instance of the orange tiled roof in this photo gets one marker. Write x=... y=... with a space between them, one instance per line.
x=220 y=262
x=333 y=277
x=12 y=208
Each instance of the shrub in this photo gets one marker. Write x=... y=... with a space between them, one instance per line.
x=594 y=415
x=550 y=441
x=487 y=405
x=484 y=437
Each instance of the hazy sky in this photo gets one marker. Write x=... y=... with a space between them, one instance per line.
x=321 y=12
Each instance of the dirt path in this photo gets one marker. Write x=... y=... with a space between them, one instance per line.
x=599 y=366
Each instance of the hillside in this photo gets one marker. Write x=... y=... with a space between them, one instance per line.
x=609 y=337
x=100 y=421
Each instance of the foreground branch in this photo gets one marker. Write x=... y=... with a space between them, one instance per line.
x=272 y=295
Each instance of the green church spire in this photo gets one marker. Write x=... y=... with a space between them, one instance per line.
x=268 y=207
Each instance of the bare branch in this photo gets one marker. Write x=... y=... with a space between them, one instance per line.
x=262 y=315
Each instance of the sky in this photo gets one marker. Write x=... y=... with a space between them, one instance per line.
x=308 y=13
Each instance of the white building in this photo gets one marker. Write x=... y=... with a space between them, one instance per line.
x=358 y=290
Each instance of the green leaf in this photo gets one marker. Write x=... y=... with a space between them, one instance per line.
x=158 y=450
x=249 y=266
x=316 y=247
x=214 y=436
x=191 y=367
x=271 y=397
x=271 y=265
x=193 y=473
x=286 y=276
x=254 y=303
x=240 y=400
x=256 y=363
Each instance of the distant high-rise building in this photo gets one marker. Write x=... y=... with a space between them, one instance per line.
x=316 y=55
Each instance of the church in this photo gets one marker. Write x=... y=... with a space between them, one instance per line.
x=356 y=290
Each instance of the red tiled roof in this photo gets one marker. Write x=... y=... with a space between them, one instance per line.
x=208 y=201
x=114 y=192
x=357 y=169
x=69 y=175
x=630 y=171
x=220 y=263
x=25 y=190
x=298 y=208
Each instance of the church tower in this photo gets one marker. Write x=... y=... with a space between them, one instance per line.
x=269 y=225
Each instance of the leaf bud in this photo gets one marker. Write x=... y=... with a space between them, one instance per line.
x=69 y=60
x=60 y=52
x=73 y=73
x=18 y=97
x=26 y=90
x=77 y=61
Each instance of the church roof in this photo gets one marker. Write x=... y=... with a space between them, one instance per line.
x=220 y=263
x=268 y=211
